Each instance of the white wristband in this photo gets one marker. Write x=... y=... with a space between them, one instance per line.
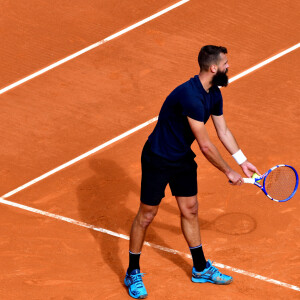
x=239 y=157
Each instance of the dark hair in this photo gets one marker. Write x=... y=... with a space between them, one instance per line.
x=208 y=55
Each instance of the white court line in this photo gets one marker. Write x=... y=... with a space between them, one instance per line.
x=136 y=128
x=71 y=162
x=265 y=62
x=111 y=37
x=125 y=237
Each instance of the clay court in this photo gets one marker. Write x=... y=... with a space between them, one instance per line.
x=66 y=212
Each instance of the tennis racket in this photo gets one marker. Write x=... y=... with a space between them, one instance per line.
x=280 y=183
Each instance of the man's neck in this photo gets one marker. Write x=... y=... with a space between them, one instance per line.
x=205 y=80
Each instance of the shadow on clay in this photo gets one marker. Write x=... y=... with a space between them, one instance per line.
x=102 y=203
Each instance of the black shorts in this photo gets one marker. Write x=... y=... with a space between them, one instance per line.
x=157 y=172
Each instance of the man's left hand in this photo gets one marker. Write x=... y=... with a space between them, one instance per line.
x=249 y=169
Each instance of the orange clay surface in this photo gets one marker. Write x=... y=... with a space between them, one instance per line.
x=111 y=89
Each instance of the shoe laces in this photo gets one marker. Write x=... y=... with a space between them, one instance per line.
x=214 y=270
x=137 y=279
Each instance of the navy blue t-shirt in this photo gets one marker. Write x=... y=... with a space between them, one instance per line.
x=172 y=136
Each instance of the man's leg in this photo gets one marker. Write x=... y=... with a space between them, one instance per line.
x=202 y=271
x=139 y=227
x=188 y=207
x=155 y=177
x=133 y=279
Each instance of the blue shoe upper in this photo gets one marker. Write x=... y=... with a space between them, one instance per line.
x=135 y=284
x=212 y=274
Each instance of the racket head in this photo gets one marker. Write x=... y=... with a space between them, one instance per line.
x=280 y=183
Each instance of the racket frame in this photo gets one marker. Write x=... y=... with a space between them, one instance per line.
x=255 y=181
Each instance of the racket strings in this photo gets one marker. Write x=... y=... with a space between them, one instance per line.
x=280 y=183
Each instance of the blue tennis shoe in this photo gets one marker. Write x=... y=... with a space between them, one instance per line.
x=135 y=284
x=211 y=274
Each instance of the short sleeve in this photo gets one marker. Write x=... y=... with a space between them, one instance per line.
x=217 y=109
x=192 y=107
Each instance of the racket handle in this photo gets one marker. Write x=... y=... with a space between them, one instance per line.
x=246 y=180
x=249 y=180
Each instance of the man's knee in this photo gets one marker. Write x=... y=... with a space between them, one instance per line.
x=146 y=214
x=189 y=207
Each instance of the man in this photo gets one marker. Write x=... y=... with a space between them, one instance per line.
x=167 y=158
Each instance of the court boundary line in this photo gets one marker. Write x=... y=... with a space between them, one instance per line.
x=78 y=158
x=265 y=62
x=152 y=245
x=93 y=46
x=127 y=133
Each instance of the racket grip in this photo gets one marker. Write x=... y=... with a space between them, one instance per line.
x=249 y=180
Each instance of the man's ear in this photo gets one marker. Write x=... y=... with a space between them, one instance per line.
x=213 y=68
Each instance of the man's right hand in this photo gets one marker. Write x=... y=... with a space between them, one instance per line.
x=234 y=177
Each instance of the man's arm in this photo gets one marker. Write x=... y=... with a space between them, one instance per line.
x=230 y=143
x=225 y=134
x=210 y=151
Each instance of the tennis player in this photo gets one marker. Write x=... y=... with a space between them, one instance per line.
x=167 y=158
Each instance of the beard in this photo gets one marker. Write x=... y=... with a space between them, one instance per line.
x=220 y=79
